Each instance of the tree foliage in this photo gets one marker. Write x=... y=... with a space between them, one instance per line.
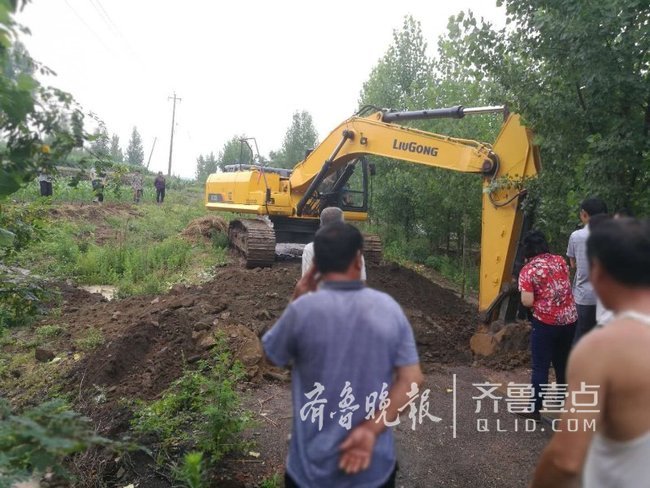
x=135 y=150
x=234 y=151
x=415 y=203
x=40 y=438
x=116 y=151
x=100 y=144
x=39 y=125
x=401 y=77
x=299 y=138
x=205 y=166
x=579 y=72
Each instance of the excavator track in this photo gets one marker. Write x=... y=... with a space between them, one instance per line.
x=254 y=239
x=372 y=250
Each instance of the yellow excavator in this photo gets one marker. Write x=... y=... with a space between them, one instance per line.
x=287 y=203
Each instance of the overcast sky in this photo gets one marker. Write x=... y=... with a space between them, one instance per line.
x=240 y=67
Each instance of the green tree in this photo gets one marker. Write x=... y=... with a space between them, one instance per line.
x=116 y=151
x=100 y=145
x=19 y=62
x=300 y=137
x=426 y=207
x=135 y=151
x=579 y=72
x=399 y=80
x=39 y=125
x=234 y=151
x=205 y=166
x=401 y=77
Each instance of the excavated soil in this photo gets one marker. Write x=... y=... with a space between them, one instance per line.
x=148 y=340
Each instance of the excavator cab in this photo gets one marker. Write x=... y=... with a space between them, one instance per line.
x=347 y=188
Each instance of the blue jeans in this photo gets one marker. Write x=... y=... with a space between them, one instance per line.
x=549 y=344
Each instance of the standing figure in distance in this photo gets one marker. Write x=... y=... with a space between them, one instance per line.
x=159 y=183
x=45 y=181
x=136 y=184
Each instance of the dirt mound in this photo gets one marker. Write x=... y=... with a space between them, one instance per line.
x=442 y=322
x=148 y=340
x=204 y=228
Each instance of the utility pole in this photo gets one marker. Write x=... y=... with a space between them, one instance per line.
x=171 y=139
x=151 y=153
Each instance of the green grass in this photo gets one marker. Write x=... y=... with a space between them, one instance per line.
x=48 y=331
x=92 y=339
x=145 y=254
x=418 y=250
x=190 y=471
x=274 y=481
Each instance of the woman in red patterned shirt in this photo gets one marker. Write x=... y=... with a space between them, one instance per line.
x=545 y=287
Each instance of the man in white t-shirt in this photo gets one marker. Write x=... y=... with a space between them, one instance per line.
x=329 y=215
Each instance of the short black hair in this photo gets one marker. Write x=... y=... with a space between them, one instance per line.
x=335 y=246
x=534 y=244
x=622 y=246
x=598 y=219
x=594 y=206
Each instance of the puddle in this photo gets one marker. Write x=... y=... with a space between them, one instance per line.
x=106 y=291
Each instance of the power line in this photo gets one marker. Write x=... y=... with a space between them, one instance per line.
x=112 y=26
x=103 y=17
x=101 y=41
x=104 y=14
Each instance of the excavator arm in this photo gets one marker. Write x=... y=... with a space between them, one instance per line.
x=503 y=166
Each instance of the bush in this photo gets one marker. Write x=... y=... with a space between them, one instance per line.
x=25 y=222
x=201 y=408
x=40 y=439
x=453 y=270
x=21 y=298
x=416 y=250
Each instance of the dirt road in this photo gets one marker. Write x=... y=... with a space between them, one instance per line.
x=428 y=456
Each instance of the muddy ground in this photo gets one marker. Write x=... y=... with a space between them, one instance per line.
x=148 y=340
